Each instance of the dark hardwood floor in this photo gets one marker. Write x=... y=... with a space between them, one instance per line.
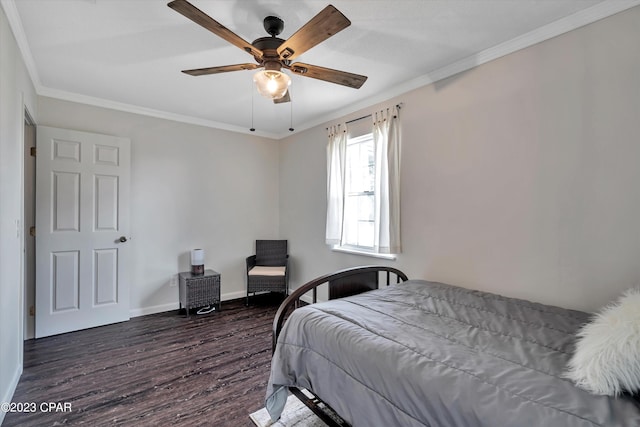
x=156 y=370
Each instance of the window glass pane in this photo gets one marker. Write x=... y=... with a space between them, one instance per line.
x=365 y=234
x=359 y=218
x=365 y=207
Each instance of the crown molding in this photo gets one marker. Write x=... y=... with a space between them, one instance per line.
x=159 y=114
x=579 y=19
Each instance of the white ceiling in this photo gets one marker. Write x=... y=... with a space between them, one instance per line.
x=128 y=54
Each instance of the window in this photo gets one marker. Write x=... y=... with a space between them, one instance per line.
x=359 y=197
x=363 y=188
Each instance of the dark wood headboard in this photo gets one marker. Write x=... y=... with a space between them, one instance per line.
x=353 y=284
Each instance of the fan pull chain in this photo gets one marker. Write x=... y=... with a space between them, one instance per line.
x=252 y=129
x=291 y=114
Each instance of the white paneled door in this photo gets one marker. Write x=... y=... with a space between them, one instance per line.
x=82 y=230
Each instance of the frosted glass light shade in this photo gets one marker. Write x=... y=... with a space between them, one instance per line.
x=272 y=84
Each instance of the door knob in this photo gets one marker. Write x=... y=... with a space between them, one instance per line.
x=122 y=239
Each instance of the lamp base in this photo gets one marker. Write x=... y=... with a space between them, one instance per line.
x=197 y=269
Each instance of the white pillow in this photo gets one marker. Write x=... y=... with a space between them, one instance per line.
x=607 y=356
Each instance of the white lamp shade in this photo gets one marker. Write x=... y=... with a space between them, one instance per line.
x=197 y=257
x=272 y=84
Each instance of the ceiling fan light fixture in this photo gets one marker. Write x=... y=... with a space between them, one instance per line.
x=272 y=84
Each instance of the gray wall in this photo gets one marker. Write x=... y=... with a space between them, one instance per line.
x=519 y=176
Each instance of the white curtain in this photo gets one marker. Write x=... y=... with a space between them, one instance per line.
x=386 y=137
x=336 y=154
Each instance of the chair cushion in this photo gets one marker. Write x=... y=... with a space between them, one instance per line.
x=260 y=270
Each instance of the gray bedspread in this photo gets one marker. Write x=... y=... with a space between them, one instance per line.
x=428 y=354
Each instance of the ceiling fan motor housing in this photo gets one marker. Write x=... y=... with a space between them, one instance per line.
x=268 y=46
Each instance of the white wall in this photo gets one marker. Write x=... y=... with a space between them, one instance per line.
x=191 y=187
x=16 y=93
x=518 y=177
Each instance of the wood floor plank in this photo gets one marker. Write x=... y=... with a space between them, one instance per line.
x=155 y=370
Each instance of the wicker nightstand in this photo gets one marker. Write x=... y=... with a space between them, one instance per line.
x=199 y=290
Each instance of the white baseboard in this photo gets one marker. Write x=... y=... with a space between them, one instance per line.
x=233 y=295
x=11 y=389
x=308 y=299
x=143 y=311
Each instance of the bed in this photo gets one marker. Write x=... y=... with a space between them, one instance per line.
x=418 y=353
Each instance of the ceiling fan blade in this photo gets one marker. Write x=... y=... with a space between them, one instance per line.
x=285 y=98
x=322 y=26
x=328 y=75
x=199 y=17
x=221 y=69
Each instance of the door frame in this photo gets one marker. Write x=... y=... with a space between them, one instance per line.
x=28 y=289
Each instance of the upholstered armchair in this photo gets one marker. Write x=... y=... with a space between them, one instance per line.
x=268 y=269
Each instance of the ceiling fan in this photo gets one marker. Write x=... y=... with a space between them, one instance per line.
x=273 y=53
